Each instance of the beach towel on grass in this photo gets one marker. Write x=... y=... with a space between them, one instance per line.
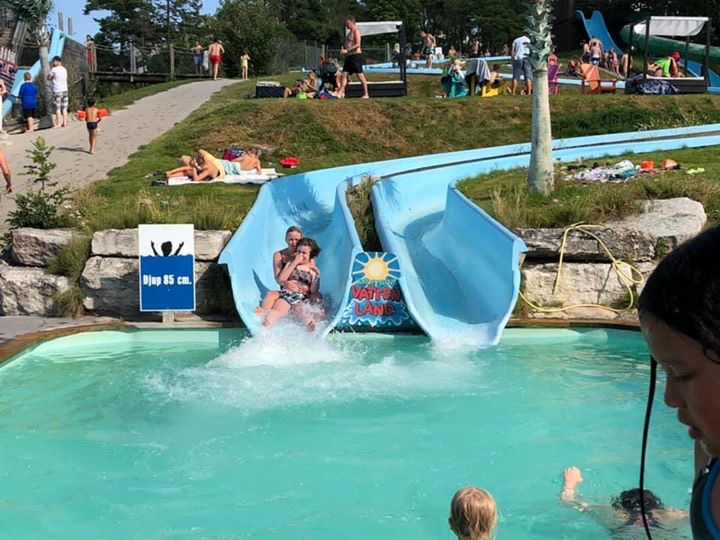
x=248 y=177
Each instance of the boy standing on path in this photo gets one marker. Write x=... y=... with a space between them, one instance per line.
x=521 y=64
x=353 y=57
x=215 y=52
x=58 y=77
x=198 y=52
x=28 y=99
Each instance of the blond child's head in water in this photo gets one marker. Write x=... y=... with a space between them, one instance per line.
x=473 y=514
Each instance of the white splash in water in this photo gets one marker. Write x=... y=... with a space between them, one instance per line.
x=288 y=367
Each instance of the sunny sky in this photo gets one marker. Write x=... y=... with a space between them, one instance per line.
x=84 y=24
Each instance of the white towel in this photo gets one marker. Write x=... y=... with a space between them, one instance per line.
x=248 y=177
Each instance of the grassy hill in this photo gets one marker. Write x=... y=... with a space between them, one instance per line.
x=325 y=134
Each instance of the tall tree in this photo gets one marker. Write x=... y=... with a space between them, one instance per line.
x=35 y=14
x=317 y=20
x=540 y=174
x=252 y=26
x=127 y=20
x=499 y=22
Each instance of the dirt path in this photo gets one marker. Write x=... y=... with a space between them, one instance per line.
x=121 y=135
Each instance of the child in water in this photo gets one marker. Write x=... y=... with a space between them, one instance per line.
x=623 y=514
x=91 y=122
x=680 y=318
x=473 y=514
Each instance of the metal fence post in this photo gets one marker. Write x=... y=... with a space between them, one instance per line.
x=172 y=61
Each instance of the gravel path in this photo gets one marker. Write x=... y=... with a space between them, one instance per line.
x=121 y=134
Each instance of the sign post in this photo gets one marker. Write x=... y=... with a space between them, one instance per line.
x=167 y=268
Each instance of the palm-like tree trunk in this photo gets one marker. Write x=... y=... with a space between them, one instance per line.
x=541 y=178
x=35 y=13
x=43 y=40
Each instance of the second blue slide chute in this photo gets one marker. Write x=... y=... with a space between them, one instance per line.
x=459 y=267
x=595 y=27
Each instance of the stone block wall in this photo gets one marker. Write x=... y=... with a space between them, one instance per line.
x=588 y=276
x=109 y=281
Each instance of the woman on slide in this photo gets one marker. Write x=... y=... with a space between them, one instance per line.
x=280 y=259
x=299 y=281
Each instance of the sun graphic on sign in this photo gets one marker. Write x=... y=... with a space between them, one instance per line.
x=376 y=267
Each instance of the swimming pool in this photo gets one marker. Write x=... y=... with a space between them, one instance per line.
x=209 y=434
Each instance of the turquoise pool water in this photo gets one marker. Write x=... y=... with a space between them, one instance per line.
x=206 y=434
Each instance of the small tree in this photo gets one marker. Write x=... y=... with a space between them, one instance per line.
x=39 y=209
x=540 y=174
x=40 y=165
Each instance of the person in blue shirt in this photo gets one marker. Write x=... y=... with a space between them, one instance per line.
x=28 y=100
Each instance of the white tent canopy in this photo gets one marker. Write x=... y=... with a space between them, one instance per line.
x=672 y=26
x=375 y=28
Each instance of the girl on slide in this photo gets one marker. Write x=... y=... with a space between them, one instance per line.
x=680 y=318
x=299 y=280
x=281 y=258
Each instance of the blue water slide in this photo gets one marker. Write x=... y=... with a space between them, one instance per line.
x=695 y=68
x=316 y=202
x=595 y=26
x=459 y=267
x=57 y=44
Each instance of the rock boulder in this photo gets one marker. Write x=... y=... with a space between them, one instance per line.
x=110 y=285
x=669 y=221
x=623 y=242
x=37 y=247
x=580 y=283
x=123 y=243
x=29 y=291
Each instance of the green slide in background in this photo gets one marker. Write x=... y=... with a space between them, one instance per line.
x=660 y=46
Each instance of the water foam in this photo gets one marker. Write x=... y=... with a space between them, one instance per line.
x=287 y=367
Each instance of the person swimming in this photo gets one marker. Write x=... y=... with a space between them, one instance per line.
x=624 y=512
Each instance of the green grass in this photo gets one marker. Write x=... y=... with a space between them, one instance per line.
x=358 y=198
x=504 y=194
x=339 y=132
x=69 y=303
x=71 y=259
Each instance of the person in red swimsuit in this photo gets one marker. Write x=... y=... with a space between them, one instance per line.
x=215 y=51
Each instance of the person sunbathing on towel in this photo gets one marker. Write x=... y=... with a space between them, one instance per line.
x=249 y=160
x=665 y=67
x=185 y=167
x=211 y=168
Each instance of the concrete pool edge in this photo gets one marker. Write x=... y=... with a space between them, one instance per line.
x=22 y=341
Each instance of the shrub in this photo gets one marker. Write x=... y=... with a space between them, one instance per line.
x=358 y=200
x=69 y=303
x=70 y=261
x=40 y=209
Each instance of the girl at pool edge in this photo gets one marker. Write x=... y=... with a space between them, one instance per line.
x=679 y=311
x=473 y=514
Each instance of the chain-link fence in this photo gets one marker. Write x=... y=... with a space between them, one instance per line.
x=371 y=55
x=292 y=55
x=131 y=58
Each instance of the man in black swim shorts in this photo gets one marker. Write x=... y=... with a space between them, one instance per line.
x=353 y=57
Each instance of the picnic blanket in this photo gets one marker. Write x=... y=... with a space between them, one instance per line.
x=248 y=177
